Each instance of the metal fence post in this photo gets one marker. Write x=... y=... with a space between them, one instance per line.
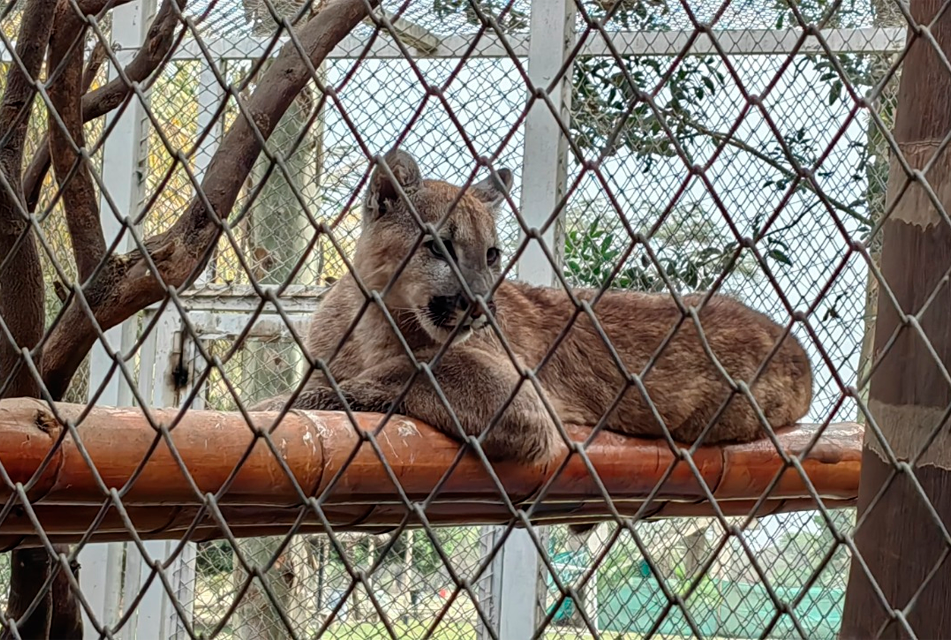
x=122 y=171
x=162 y=353
x=182 y=570
x=517 y=584
x=545 y=151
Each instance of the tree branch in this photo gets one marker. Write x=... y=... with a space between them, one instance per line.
x=67 y=142
x=126 y=284
x=29 y=569
x=36 y=172
x=775 y=164
x=96 y=58
x=150 y=57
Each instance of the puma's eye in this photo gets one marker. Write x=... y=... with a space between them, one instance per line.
x=492 y=256
x=434 y=249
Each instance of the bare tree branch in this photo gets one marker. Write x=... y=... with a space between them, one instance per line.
x=36 y=171
x=126 y=284
x=67 y=142
x=93 y=65
x=150 y=57
x=158 y=43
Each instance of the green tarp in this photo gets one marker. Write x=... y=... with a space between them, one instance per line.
x=719 y=609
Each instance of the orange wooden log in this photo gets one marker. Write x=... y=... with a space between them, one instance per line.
x=218 y=454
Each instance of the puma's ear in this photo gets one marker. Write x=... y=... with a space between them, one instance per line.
x=492 y=190
x=382 y=192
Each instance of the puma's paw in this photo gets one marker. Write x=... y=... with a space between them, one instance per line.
x=271 y=404
x=321 y=399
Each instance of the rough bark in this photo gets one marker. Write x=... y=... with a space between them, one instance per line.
x=21 y=288
x=126 y=283
x=899 y=540
x=21 y=278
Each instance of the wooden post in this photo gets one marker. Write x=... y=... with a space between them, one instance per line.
x=262 y=500
x=124 y=165
x=899 y=539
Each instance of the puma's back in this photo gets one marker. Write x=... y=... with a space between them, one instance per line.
x=621 y=356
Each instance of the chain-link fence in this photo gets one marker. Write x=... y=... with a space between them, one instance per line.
x=625 y=147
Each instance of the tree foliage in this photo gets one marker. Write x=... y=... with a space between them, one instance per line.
x=690 y=251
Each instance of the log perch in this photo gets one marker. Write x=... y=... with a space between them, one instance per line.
x=161 y=501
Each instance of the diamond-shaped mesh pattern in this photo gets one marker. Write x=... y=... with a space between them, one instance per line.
x=185 y=184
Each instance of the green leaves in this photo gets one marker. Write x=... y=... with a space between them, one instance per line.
x=691 y=253
x=610 y=114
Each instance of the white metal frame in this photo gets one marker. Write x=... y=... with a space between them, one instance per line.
x=220 y=312
x=102 y=564
x=515 y=599
x=732 y=41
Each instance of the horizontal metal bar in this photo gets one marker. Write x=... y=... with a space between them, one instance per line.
x=656 y=43
x=350 y=47
x=748 y=42
x=227 y=326
x=411 y=33
x=733 y=42
x=295 y=299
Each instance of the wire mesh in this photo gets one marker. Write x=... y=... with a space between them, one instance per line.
x=736 y=146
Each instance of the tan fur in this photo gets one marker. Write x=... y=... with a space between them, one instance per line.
x=580 y=378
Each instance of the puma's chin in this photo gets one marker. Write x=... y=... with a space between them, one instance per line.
x=440 y=334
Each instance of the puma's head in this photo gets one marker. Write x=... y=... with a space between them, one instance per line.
x=427 y=286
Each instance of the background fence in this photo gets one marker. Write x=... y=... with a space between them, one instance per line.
x=747 y=92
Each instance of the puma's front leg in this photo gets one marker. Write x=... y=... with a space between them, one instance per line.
x=316 y=398
x=316 y=395
x=476 y=386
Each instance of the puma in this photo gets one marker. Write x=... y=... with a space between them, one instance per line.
x=544 y=332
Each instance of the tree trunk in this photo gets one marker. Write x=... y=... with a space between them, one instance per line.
x=22 y=297
x=66 y=621
x=899 y=540
x=28 y=571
